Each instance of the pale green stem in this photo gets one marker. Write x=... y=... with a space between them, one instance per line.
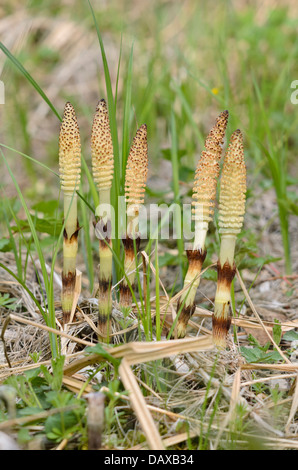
x=190 y=278
x=105 y=266
x=227 y=248
x=70 y=213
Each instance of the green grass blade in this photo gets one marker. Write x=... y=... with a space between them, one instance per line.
x=18 y=260
x=118 y=73
x=126 y=121
x=277 y=165
x=30 y=79
x=189 y=113
x=49 y=289
x=176 y=188
x=111 y=102
x=20 y=281
x=114 y=133
x=30 y=158
x=157 y=300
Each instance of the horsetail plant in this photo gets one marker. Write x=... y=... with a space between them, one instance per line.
x=231 y=214
x=103 y=170
x=203 y=201
x=70 y=172
x=135 y=184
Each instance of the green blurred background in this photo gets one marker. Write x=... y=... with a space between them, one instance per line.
x=191 y=60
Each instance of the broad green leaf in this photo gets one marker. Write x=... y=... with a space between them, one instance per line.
x=291 y=335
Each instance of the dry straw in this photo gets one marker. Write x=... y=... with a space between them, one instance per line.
x=135 y=184
x=103 y=170
x=204 y=194
x=70 y=171
x=231 y=212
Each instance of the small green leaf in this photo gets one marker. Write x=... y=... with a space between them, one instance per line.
x=276 y=331
x=167 y=155
x=59 y=426
x=98 y=349
x=254 y=355
x=24 y=436
x=250 y=354
x=167 y=259
x=291 y=335
x=49 y=226
x=5 y=245
x=29 y=411
x=32 y=373
x=54 y=379
x=46 y=207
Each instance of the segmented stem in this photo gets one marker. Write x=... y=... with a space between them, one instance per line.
x=135 y=184
x=70 y=171
x=204 y=194
x=231 y=214
x=103 y=169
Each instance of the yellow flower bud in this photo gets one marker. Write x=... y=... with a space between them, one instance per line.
x=102 y=148
x=137 y=169
x=232 y=187
x=204 y=190
x=69 y=151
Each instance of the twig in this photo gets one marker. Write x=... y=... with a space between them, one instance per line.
x=139 y=405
